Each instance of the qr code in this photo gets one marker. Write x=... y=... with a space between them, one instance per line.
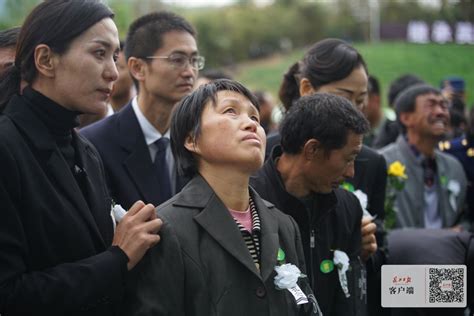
x=446 y=285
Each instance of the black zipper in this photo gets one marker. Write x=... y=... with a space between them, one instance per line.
x=312 y=245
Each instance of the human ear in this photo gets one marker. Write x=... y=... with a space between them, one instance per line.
x=311 y=149
x=405 y=119
x=45 y=60
x=190 y=144
x=305 y=87
x=137 y=68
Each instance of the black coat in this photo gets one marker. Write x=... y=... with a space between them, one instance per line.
x=334 y=222
x=202 y=266
x=130 y=172
x=55 y=256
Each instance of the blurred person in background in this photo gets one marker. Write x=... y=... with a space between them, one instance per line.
x=267 y=104
x=453 y=88
x=458 y=120
x=8 y=39
x=373 y=109
x=389 y=130
x=210 y=75
x=462 y=148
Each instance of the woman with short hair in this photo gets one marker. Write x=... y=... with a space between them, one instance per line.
x=222 y=244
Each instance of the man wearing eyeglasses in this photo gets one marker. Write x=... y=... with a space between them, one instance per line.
x=163 y=59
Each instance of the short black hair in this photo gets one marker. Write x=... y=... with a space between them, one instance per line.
x=9 y=37
x=186 y=120
x=145 y=34
x=322 y=116
x=398 y=85
x=373 y=86
x=406 y=100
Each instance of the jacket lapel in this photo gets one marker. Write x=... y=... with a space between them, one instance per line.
x=448 y=213
x=216 y=220
x=93 y=180
x=138 y=162
x=414 y=187
x=269 y=236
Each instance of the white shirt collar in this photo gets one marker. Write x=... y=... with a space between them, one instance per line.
x=149 y=131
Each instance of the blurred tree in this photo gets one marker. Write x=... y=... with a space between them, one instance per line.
x=395 y=11
x=465 y=10
x=288 y=3
x=123 y=15
x=16 y=11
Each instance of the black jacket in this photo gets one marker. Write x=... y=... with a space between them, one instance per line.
x=55 y=254
x=202 y=266
x=332 y=222
x=371 y=178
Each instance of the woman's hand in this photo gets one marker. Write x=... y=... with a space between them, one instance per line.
x=137 y=232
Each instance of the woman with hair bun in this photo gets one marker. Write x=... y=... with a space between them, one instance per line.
x=333 y=66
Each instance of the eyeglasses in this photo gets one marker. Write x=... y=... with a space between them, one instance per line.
x=181 y=61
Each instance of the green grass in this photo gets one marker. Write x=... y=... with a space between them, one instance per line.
x=386 y=61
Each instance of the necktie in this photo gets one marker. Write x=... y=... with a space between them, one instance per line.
x=429 y=171
x=162 y=171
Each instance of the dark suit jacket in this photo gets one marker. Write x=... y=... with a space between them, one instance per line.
x=128 y=166
x=202 y=266
x=55 y=256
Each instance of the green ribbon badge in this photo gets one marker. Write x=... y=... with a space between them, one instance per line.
x=443 y=180
x=281 y=255
x=326 y=266
x=347 y=186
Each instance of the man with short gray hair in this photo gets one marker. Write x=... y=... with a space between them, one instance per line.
x=434 y=192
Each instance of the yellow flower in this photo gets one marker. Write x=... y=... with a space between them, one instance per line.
x=397 y=169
